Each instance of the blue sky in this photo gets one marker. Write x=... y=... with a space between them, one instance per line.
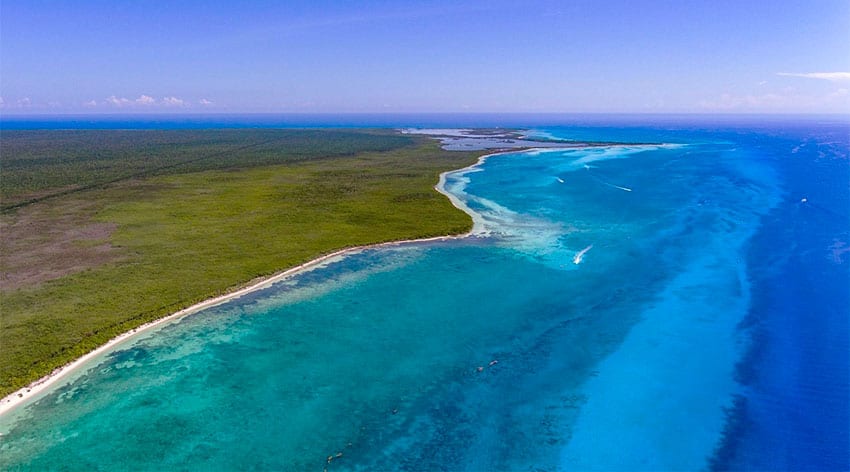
x=442 y=56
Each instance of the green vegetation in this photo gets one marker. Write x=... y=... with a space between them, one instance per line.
x=43 y=164
x=195 y=230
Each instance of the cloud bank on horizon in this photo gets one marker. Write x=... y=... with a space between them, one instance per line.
x=439 y=56
x=143 y=102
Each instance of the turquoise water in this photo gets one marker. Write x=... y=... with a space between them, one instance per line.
x=614 y=308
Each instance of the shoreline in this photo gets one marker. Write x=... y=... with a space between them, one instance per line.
x=36 y=389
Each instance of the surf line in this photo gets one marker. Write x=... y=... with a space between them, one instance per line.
x=580 y=255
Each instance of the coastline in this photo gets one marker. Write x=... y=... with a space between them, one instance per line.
x=38 y=388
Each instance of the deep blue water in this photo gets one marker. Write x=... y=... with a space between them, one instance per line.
x=705 y=325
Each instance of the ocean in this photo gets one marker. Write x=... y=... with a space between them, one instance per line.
x=679 y=303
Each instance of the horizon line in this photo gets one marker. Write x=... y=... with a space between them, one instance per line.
x=419 y=113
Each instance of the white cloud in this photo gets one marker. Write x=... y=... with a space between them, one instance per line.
x=24 y=102
x=834 y=76
x=173 y=102
x=116 y=101
x=90 y=104
x=143 y=101
x=205 y=102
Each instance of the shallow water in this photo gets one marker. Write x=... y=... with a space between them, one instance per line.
x=704 y=325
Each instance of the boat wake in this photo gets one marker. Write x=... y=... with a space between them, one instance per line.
x=580 y=255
